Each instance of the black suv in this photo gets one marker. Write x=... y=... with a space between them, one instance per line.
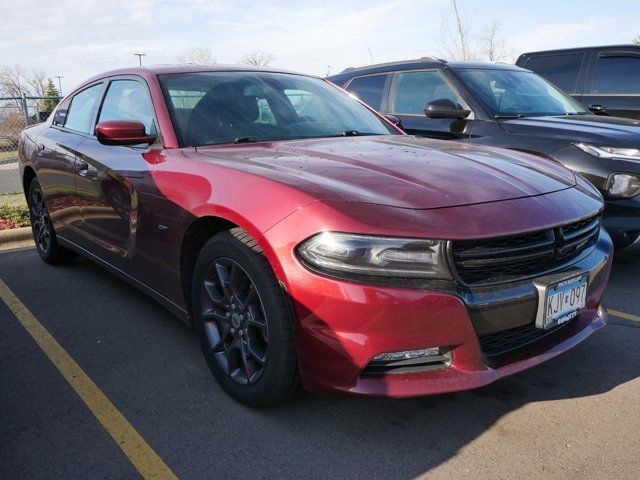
x=606 y=79
x=507 y=106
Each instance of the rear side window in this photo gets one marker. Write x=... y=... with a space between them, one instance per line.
x=83 y=108
x=415 y=89
x=617 y=74
x=128 y=100
x=61 y=113
x=369 y=89
x=561 y=70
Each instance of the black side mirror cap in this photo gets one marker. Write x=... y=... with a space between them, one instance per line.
x=445 y=108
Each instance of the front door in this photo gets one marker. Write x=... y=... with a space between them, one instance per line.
x=412 y=90
x=111 y=179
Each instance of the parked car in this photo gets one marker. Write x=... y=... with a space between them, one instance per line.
x=506 y=106
x=606 y=79
x=304 y=236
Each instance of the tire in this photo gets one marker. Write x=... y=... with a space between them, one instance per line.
x=44 y=234
x=243 y=320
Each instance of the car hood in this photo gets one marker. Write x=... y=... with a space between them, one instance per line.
x=600 y=129
x=394 y=170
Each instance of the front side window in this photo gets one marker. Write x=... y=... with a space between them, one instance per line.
x=228 y=107
x=369 y=89
x=617 y=74
x=128 y=100
x=415 y=89
x=561 y=70
x=516 y=93
x=83 y=108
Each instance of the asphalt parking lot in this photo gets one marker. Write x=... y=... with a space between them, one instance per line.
x=577 y=416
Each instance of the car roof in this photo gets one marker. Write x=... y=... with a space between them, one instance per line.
x=628 y=46
x=153 y=70
x=420 y=63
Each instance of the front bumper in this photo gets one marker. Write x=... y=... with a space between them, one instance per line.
x=341 y=326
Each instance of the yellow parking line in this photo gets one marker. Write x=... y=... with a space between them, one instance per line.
x=628 y=316
x=144 y=459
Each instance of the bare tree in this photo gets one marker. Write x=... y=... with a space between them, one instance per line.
x=494 y=47
x=200 y=55
x=37 y=81
x=258 y=58
x=455 y=37
x=13 y=81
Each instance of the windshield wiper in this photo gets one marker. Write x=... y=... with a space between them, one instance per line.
x=245 y=140
x=509 y=117
x=350 y=133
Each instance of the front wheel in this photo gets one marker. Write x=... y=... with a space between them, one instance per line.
x=243 y=320
x=43 y=232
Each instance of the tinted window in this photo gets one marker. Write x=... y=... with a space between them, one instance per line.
x=369 y=89
x=415 y=89
x=262 y=106
x=83 y=107
x=617 y=74
x=562 y=70
x=128 y=100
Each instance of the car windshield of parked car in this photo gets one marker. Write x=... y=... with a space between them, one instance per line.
x=512 y=93
x=213 y=108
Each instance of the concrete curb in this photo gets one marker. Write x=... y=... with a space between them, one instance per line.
x=15 y=237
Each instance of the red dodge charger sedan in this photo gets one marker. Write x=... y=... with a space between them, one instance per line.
x=309 y=240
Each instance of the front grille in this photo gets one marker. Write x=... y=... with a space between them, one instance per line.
x=513 y=258
x=499 y=343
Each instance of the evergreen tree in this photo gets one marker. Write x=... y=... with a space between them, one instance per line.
x=50 y=91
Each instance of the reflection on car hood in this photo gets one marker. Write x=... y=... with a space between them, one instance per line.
x=600 y=129
x=399 y=171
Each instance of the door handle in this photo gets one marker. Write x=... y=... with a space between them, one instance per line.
x=598 y=109
x=82 y=167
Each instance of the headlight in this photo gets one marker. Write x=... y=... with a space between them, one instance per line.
x=610 y=152
x=623 y=185
x=351 y=255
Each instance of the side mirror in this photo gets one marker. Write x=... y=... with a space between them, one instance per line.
x=395 y=121
x=445 y=108
x=123 y=132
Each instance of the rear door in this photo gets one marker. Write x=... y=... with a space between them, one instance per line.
x=614 y=83
x=57 y=162
x=411 y=90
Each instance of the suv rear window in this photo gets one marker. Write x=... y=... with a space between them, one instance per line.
x=617 y=74
x=561 y=70
x=369 y=89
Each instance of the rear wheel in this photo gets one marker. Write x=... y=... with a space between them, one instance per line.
x=243 y=320
x=43 y=232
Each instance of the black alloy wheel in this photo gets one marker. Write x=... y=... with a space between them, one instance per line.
x=234 y=321
x=44 y=234
x=244 y=320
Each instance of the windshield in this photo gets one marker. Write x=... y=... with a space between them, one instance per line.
x=512 y=93
x=212 y=108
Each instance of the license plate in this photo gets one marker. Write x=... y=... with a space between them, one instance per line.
x=564 y=300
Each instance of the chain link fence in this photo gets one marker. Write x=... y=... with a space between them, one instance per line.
x=16 y=113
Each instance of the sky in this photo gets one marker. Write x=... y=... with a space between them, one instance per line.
x=77 y=39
